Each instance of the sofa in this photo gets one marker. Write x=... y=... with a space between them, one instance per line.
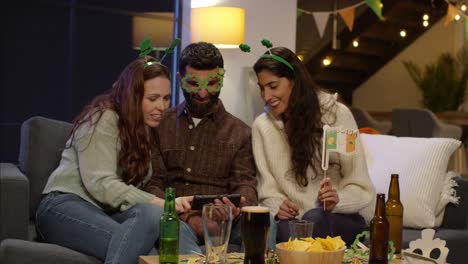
x=454 y=228
x=42 y=141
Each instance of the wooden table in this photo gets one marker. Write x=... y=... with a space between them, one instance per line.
x=155 y=259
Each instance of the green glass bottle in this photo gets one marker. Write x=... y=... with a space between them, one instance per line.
x=169 y=238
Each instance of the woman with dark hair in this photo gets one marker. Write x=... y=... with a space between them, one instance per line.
x=94 y=202
x=287 y=142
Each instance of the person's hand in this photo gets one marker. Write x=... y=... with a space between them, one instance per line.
x=287 y=210
x=235 y=210
x=158 y=201
x=182 y=204
x=327 y=196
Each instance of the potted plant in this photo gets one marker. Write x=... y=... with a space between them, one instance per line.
x=443 y=83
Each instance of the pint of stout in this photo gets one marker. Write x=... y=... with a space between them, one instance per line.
x=255 y=223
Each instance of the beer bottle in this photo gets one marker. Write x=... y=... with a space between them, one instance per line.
x=169 y=235
x=394 y=211
x=379 y=233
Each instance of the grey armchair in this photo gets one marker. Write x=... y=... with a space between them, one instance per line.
x=364 y=119
x=42 y=142
x=414 y=122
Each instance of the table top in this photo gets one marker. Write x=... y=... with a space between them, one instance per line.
x=155 y=259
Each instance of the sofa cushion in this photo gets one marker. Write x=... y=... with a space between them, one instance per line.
x=425 y=186
x=14 y=202
x=27 y=252
x=456 y=215
x=41 y=146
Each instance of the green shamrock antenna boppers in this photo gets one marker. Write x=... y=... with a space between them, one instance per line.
x=174 y=43
x=171 y=48
x=267 y=43
x=244 y=47
x=146 y=48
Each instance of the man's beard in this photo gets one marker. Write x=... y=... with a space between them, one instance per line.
x=199 y=110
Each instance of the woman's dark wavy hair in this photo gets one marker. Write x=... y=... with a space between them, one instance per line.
x=125 y=99
x=304 y=120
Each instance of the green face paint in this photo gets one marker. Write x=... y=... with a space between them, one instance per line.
x=191 y=83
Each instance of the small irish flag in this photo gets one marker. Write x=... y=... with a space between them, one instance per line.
x=341 y=140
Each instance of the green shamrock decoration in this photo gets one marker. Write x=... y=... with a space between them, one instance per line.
x=174 y=43
x=244 y=47
x=221 y=71
x=267 y=43
x=171 y=48
x=205 y=82
x=145 y=47
x=355 y=254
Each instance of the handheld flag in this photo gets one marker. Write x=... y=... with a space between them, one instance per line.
x=341 y=140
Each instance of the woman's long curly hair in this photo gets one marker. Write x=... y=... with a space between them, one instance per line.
x=125 y=99
x=304 y=115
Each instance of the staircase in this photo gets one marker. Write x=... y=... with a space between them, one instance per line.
x=379 y=42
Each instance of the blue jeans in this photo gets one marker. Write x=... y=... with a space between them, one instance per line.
x=189 y=242
x=118 y=237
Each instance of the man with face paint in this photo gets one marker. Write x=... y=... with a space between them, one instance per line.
x=204 y=149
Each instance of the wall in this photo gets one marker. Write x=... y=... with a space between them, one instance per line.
x=58 y=54
x=391 y=86
x=271 y=19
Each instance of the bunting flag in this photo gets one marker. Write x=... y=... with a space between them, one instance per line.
x=299 y=12
x=337 y=140
x=351 y=142
x=347 y=14
x=451 y=13
x=321 y=20
x=376 y=6
x=466 y=29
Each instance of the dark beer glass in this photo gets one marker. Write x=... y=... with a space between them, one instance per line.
x=255 y=224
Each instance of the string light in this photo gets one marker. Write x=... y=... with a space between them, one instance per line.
x=355 y=43
x=460 y=10
x=425 y=22
x=326 y=61
x=403 y=33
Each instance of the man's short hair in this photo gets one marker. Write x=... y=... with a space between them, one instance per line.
x=200 y=56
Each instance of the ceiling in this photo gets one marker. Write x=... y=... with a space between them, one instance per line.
x=379 y=41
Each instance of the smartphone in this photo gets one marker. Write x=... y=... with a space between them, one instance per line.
x=200 y=200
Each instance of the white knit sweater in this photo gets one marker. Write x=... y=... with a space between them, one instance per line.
x=276 y=182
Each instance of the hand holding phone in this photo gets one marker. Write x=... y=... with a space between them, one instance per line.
x=200 y=200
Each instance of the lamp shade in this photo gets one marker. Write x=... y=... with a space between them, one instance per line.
x=157 y=26
x=220 y=25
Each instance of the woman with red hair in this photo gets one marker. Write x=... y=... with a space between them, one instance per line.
x=94 y=202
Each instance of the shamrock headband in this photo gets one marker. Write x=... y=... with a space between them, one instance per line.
x=146 y=48
x=269 y=45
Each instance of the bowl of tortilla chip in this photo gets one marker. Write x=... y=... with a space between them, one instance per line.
x=328 y=250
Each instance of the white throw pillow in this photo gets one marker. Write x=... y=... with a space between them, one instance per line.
x=425 y=186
